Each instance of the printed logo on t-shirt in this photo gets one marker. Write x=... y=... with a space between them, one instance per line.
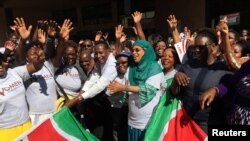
x=44 y=76
x=12 y=86
x=71 y=74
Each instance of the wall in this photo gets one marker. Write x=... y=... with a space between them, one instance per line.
x=191 y=13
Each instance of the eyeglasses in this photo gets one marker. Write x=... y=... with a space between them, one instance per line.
x=123 y=63
x=137 y=50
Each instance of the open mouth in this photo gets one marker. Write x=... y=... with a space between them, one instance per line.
x=165 y=62
x=160 y=51
x=1 y=68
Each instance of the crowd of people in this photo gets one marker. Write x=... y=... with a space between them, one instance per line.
x=113 y=88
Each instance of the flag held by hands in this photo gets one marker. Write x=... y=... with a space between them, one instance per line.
x=62 y=126
x=171 y=123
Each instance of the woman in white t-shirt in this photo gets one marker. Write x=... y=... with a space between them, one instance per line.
x=40 y=88
x=14 y=116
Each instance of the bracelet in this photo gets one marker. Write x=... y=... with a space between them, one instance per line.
x=217 y=90
x=126 y=88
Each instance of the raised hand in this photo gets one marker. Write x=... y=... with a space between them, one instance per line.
x=188 y=36
x=193 y=36
x=10 y=45
x=137 y=16
x=105 y=36
x=52 y=28
x=222 y=26
x=21 y=28
x=123 y=38
x=42 y=25
x=98 y=36
x=81 y=42
x=187 y=33
x=65 y=29
x=41 y=36
x=118 y=31
x=13 y=27
x=172 y=22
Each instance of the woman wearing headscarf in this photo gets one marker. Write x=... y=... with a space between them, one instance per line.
x=145 y=76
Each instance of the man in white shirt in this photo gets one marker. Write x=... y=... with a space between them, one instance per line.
x=104 y=73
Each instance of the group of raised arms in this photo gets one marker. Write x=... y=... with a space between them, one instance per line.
x=113 y=88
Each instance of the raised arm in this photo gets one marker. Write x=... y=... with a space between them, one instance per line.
x=225 y=44
x=118 y=36
x=52 y=31
x=24 y=33
x=188 y=36
x=172 y=22
x=137 y=16
x=98 y=36
x=41 y=36
x=65 y=30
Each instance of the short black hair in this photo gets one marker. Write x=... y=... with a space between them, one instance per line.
x=70 y=43
x=236 y=34
x=31 y=44
x=208 y=33
x=175 y=54
x=102 y=43
x=245 y=45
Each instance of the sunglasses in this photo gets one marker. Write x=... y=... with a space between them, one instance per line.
x=199 y=46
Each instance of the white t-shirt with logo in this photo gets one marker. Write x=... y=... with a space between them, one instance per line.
x=69 y=80
x=13 y=105
x=41 y=93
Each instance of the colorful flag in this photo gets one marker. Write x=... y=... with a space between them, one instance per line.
x=171 y=123
x=62 y=126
